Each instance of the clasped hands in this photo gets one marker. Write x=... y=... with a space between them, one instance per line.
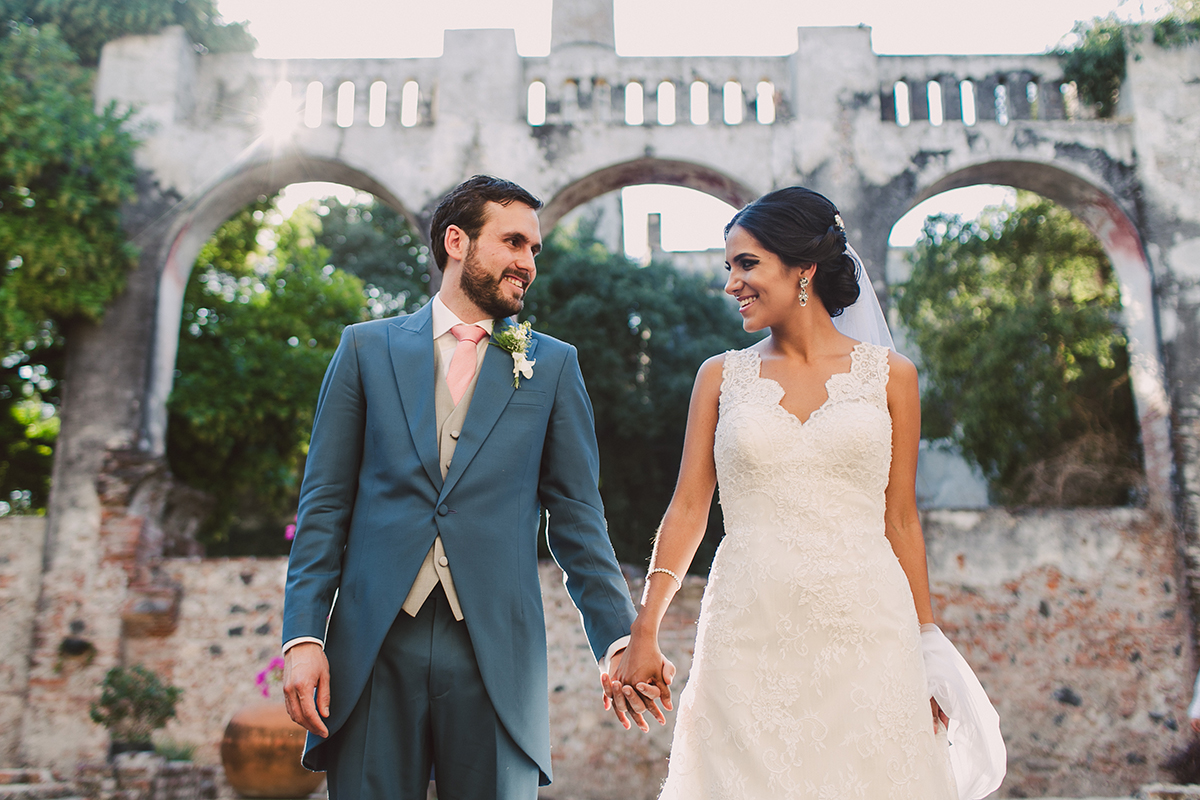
x=641 y=679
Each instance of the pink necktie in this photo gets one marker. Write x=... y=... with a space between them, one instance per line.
x=462 y=363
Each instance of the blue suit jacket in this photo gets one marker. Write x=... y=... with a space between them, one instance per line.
x=373 y=500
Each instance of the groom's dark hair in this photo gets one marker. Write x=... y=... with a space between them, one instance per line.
x=466 y=207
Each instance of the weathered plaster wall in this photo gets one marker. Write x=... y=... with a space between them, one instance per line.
x=21 y=542
x=1076 y=625
x=1072 y=620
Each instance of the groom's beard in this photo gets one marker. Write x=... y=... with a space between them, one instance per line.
x=483 y=288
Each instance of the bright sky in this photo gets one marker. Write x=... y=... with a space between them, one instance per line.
x=407 y=28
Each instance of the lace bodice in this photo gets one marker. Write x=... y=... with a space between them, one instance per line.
x=807 y=680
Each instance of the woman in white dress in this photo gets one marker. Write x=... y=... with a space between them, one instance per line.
x=807 y=680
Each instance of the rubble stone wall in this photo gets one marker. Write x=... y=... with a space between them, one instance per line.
x=1073 y=621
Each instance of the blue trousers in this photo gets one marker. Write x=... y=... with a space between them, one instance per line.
x=425 y=706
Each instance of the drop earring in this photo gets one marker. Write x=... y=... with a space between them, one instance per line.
x=803 y=291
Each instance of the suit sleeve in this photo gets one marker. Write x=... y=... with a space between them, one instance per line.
x=326 y=496
x=569 y=489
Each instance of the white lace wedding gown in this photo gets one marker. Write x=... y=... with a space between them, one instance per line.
x=807 y=680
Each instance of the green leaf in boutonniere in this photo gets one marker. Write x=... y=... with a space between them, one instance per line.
x=515 y=339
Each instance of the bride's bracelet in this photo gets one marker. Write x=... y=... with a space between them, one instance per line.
x=665 y=571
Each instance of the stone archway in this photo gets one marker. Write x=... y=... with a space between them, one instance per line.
x=690 y=175
x=1104 y=216
x=193 y=227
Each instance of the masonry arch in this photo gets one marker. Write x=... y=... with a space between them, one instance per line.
x=641 y=171
x=194 y=224
x=1107 y=219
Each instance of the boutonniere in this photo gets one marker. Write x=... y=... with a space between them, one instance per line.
x=515 y=339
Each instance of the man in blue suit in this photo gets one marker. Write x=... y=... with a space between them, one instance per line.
x=439 y=439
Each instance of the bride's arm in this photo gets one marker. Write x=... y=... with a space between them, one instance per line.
x=678 y=537
x=903 y=524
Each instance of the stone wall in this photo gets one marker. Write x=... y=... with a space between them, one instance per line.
x=21 y=543
x=1072 y=620
x=1077 y=627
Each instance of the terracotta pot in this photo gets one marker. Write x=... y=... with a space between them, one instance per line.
x=261 y=753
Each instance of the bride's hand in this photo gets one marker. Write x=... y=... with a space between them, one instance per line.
x=938 y=715
x=641 y=676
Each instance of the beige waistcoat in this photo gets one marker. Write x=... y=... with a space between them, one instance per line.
x=435 y=568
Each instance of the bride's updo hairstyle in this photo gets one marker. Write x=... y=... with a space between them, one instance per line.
x=802 y=227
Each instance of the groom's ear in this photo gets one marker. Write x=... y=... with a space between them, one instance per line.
x=456 y=242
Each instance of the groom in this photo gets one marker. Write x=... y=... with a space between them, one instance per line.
x=435 y=449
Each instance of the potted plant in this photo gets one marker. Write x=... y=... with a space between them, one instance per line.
x=133 y=704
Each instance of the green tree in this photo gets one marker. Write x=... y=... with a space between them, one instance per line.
x=1017 y=319
x=641 y=332
x=87 y=25
x=378 y=245
x=1180 y=26
x=1096 y=63
x=258 y=330
x=65 y=172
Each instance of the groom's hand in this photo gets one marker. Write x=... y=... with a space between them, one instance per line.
x=624 y=699
x=305 y=673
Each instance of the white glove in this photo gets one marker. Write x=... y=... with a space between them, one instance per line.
x=977 y=753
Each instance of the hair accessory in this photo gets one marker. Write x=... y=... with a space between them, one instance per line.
x=837 y=223
x=665 y=571
x=803 y=291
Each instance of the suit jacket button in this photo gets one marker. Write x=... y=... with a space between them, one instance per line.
x=443 y=561
x=443 y=510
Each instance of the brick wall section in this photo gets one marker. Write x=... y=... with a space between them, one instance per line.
x=21 y=542
x=1071 y=619
x=1075 y=625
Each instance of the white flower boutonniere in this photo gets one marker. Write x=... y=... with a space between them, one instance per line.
x=515 y=340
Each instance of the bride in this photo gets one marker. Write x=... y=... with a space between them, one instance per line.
x=808 y=679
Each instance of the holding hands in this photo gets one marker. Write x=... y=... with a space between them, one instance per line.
x=641 y=678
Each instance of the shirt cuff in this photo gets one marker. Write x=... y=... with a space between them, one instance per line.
x=613 y=649
x=290 y=643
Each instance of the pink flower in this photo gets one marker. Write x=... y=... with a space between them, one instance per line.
x=289 y=532
x=272 y=674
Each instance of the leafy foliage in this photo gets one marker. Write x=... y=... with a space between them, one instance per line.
x=87 y=25
x=1016 y=316
x=1180 y=26
x=64 y=172
x=133 y=703
x=258 y=331
x=641 y=332
x=378 y=245
x=29 y=423
x=1096 y=64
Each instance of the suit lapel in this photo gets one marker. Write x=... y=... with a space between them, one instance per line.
x=410 y=344
x=493 y=390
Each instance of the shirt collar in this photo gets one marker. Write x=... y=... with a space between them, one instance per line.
x=444 y=319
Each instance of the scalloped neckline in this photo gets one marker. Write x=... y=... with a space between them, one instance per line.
x=828 y=394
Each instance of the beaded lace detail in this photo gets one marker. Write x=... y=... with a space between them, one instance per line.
x=807 y=680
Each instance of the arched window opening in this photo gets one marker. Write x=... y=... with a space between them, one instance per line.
x=764 y=103
x=699 y=103
x=903 y=106
x=937 y=114
x=966 y=91
x=377 y=104
x=314 y=97
x=410 y=99
x=345 y=105
x=666 y=103
x=635 y=104
x=535 y=105
x=735 y=104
